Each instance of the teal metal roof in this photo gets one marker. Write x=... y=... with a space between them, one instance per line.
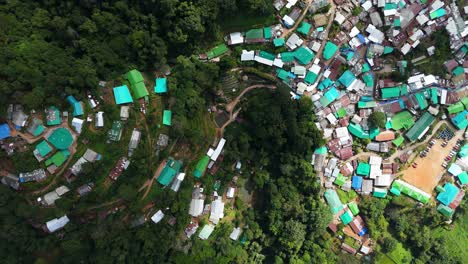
x=122 y=95
x=347 y=78
x=450 y=193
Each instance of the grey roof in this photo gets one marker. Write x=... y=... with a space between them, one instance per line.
x=57 y=223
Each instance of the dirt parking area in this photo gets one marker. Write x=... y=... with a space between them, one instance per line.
x=429 y=169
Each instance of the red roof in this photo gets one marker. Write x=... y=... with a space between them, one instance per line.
x=345 y=153
x=450 y=65
x=357 y=224
x=385 y=136
x=343 y=122
x=456 y=202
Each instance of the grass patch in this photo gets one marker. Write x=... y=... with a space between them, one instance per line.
x=346 y=197
x=457 y=238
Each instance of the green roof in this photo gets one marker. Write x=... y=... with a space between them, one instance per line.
x=254 y=34
x=115 y=132
x=278 y=42
x=353 y=207
x=368 y=79
x=404 y=89
x=357 y=131
x=390 y=92
x=456 y=108
x=340 y=180
x=304 y=55
x=329 y=50
x=438 y=13
x=161 y=85
x=390 y=6
x=43 y=148
x=167 y=116
x=266 y=55
x=387 y=50
x=58 y=158
x=56 y=120
x=346 y=217
x=461 y=120
x=449 y=195
x=463 y=151
x=463 y=178
x=333 y=200
x=217 y=51
x=410 y=190
x=402 y=120
x=310 y=77
x=381 y=193
x=304 y=28
x=321 y=150
x=122 y=95
x=287 y=56
x=445 y=210
x=434 y=98
x=282 y=74
x=201 y=166
x=206 y=231
x=267 y=32
x=424 y=122
x=421 y=100
x=341 y=112
x=395 y=191
x=134 y=77
x=398 y=141
x=139 y=90
x=171 y=169
x=397 y=22
x=369 y=104
x=329 y=96
x=465 y=102
x=39 y=130
x=347 y=78
x=61 y=138
x=363 y=169
x=366 y=67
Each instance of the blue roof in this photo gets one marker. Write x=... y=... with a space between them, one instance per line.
x=450 y=193
x=356 y=182
x=122 y=95
x=161 y=85
x=361 y=38
x=4 y=131
x=346 y=78
x=77 y=107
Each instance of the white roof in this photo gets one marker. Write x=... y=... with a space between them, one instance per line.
x=415 y=78
x=206 y=231
x=230 y=192
x=375 y=171
x=415 y=44
x=326 y=73
x=315 y=68
x=375 y=160
x=218 y=149
x=417 y=35
x=62 y=190
x=332 y=119
x=57 y=223
x=77 y=124
x=356 y=119
x=247 y=55
x=278 y=63
x=210 y=152
x=76 y=168
x=443 y=97
x=354 y=32
x=263 y=61
x=390 y=12
x=437 y=4
x=236 y=38
x=316 y=46
x=51 y=197
x=196 y=207
x=157 y=217
x=294 y=41
x=375 y=35
x=339 y=18
x=288 y=20
x=124 y=111
x=367 y=5
x=235 y=233
x=429 y=79
x=301 y=88
x=406 y=48
x=99 y=119
x=422 y=19
x=365 y=250
x=181 y=176
x=341 y=132
x=327 y=132
x=217 y=210
x=383 y=180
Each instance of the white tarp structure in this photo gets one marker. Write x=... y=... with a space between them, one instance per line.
x=218 y=149
x=217 y=210
x=157 y=217
x=57 y=223
x=196 y=207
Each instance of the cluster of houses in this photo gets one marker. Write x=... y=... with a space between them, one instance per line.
x=342 y=76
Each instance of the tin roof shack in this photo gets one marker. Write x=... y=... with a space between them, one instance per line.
x=49 y=198
x=116 y=131
x=197 y=202
x=35 y=175
x=124 y=112
x=85 y=189
x=191 y=229
x=134 y=140
x=11 y=180
x=177 y=182
x=122 y=164
x=89 y=156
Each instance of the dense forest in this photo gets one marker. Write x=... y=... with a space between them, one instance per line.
x=56 y=47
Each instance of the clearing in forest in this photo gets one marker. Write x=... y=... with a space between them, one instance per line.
x=429 y=169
